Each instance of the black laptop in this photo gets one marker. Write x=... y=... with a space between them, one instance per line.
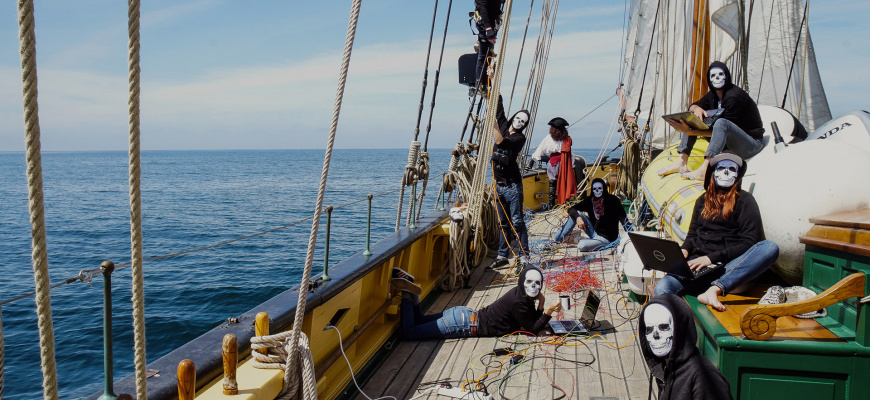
x=580 y=326
x=666 y=256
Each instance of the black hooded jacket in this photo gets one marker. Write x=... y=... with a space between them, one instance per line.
x=512 y=145
x=608 y=225
x=739 y=106
x=489 y=11
x=684 y=373
x=724 y=239
x=512 y=312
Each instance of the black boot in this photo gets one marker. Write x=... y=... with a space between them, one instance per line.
x=552 y=194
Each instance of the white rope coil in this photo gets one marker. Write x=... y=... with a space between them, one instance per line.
x=279 y=347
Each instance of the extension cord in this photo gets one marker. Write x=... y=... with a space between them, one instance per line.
x=457 y=393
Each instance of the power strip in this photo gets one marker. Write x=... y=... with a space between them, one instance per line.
x=457 y=393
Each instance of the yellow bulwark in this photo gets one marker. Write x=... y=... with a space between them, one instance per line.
x=672 y=197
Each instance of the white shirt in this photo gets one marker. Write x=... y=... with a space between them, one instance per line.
x=547 y=147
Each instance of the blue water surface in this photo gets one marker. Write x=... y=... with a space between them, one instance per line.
x=190 y=199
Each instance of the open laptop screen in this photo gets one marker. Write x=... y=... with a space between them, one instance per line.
x=590 y=309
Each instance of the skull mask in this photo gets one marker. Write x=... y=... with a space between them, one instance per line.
x=598 y=189
x=533 y=283
x=717 y=77
x=659 y=329
x=726 y=173
x=520 y=121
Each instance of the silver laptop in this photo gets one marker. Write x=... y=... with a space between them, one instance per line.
x=580 y=326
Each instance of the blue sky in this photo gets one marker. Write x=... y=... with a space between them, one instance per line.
x=262 y=75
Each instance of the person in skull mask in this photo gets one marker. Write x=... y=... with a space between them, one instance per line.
x=599 y=216
x=514 y=311
x=488 y=17
x=738 y=128
x=667 y=341
x=508 y=141
x=726 y=229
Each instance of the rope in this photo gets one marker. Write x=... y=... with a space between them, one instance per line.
x=289 y=390
x=278 y=348
x=407 y=177
x=794 y=56
x=27 y=38
x=457 y=269
x=422 y=173
x=135 y=172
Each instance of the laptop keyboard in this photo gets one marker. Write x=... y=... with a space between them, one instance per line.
x=569 y=325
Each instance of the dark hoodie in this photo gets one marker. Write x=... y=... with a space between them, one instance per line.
x=512 y=312
x=739 y=106
x=489 y=10
x=512 y=145
x=608 y=225
x=684 y=373
x=720 y=239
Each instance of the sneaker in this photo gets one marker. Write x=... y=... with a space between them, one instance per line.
x=401 y=273
x=406 y=286
x=498 y=263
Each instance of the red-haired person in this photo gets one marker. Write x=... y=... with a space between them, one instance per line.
x=726 y=228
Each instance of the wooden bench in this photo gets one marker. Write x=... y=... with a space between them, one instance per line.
x=767 y=354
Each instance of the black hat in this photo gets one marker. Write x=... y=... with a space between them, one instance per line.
x=558 y=122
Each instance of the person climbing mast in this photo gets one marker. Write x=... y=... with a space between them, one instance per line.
x=487 y=15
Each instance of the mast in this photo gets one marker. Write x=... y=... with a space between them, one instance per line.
x=700 y=49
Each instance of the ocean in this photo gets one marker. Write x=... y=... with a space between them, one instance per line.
x=190 y=199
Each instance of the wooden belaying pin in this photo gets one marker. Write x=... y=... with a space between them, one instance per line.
x=186 y=380
x=231 y=358
x=261 y=327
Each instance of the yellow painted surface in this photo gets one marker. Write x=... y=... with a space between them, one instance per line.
x=423 y=259
x=673 y=195
x=536 y=191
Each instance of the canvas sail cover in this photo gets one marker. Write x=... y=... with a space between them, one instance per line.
x=662 y=32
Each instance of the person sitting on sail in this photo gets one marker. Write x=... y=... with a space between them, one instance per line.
x=667 y=341
x=488 y=18
x=551 y=150
x=508 y=142
x=599 y=216
x=739 y=127
x=726 y=228
x=512 y=312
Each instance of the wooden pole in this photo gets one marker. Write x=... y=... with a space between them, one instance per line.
x=231 y=358
x=261 y=324
x=186 y=380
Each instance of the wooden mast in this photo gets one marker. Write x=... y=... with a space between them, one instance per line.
x=700 y=49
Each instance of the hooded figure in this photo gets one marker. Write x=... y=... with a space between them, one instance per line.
x=600 y=214
x=738 y=127
x=515 y=310
x=726 y=225
x=681 y=372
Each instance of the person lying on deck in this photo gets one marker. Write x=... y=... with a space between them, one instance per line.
x=514 y=311
x=599 y=216
x=738 y=128
x=667 y=340
x=726 y=229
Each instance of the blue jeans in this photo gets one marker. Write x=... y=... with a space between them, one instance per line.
x=725 y=134
x=414 y=325
x=593 y=242
x=510 y=199
x=738 y=271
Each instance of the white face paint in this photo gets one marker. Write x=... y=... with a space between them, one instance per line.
x=533 y=283
x=659 y=329
x=726 y=173
x=597 y=189
x=520 y=121
x=717 y=77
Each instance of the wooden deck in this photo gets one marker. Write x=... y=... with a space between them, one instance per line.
x=607 y=366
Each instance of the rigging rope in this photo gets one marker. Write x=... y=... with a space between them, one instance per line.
x=278 y=348
x=27 y=49
x=138 y=281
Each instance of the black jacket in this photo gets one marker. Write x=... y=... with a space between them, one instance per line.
x=720 y=239
x=512 y=145
x=512 y=312
x=739 y=106
x=608 y=225
x=684 y=373
x=489 y=11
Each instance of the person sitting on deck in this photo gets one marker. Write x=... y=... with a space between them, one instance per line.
x=514 y=311
x=554 y=149
x=667 y=341
x=726 y=229
x=599 y=216
x=738 y=128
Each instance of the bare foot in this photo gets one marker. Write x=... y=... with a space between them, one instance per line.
x=711 y=298
x=678 y=166
x=697 y=174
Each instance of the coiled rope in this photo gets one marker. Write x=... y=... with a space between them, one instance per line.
x=27 y=48
x=457 y=269
x=278 y=349
x=291 y=373
x=135 y=172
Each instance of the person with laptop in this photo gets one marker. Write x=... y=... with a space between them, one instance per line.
x=598 y=215
x=520 y=309
x=738 y=127
x=726 y=229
